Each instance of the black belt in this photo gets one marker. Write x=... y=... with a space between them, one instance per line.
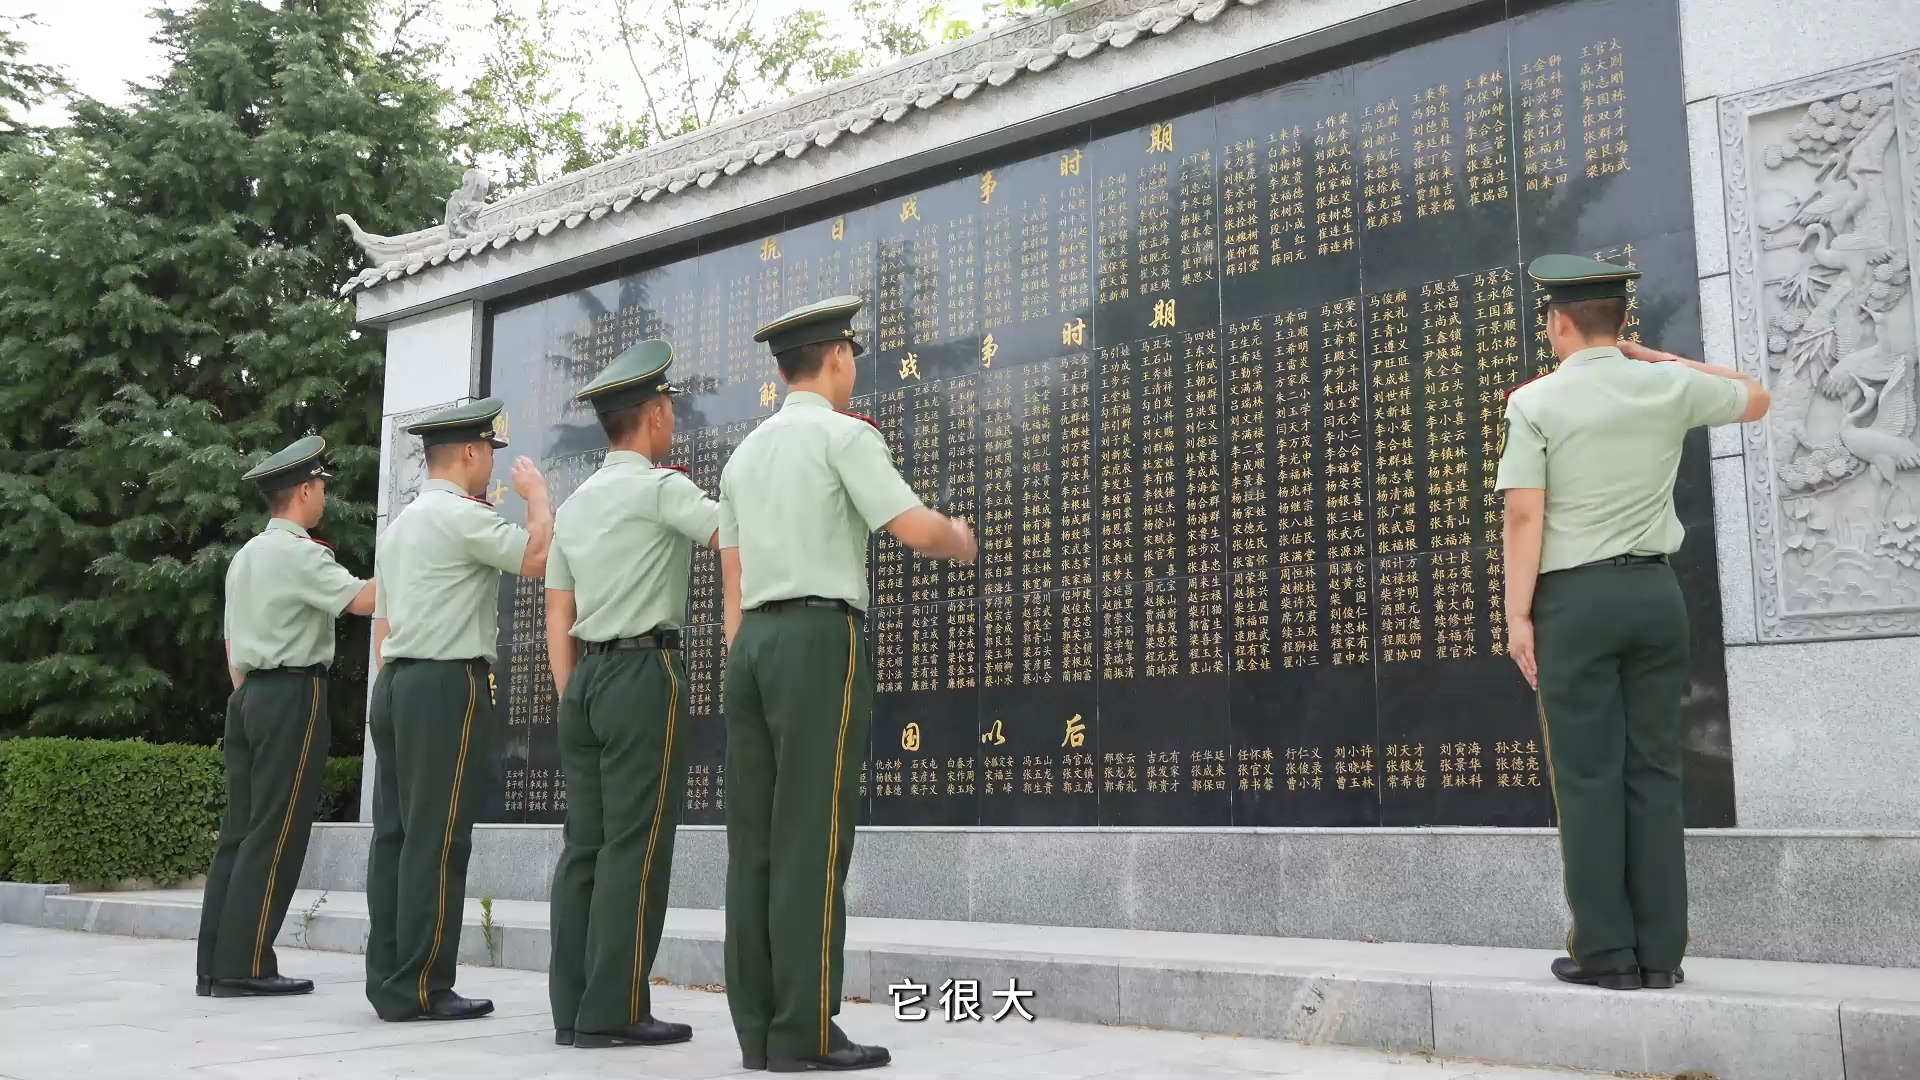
x=648 y=642
x=311 y=670
x=1623 y=560
x=808 y=601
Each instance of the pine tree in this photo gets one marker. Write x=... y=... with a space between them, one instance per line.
x=168 y=315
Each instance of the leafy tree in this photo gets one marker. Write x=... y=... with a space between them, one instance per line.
x=23 y=86
x=545 y=103
x=168 y=314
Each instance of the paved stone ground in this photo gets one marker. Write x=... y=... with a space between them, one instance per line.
x=77 y=1006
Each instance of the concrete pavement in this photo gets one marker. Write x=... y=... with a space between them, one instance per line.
x=88 y=1006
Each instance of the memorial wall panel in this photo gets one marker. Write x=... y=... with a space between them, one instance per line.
x=1220 y=387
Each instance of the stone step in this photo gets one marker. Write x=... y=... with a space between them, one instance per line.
x=1732 y=1020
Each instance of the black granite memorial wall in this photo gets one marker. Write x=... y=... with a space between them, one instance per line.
x=1220 y=388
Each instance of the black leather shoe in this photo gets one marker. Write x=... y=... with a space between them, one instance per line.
x=265 y=986
x=1662 y=980
x=648 y=1032
x=202 y=986
x=840 y=1059
x=1567 y=970
x=563 y=1036
x=447 y=1005
x=753 y=1062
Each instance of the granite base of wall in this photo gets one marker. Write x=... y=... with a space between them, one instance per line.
x=1829 y=897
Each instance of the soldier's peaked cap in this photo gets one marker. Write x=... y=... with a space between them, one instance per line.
x=827 y=320
x=297 y=464
x=472 y=422
x=637 y=374
x=1570 y=279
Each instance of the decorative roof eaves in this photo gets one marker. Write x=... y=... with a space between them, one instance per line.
x=789 y=129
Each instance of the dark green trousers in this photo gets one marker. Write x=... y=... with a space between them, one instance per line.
x=1612 y=649
x=622 y=722
x=434 y=736
x=276 y=754
x=799 y=700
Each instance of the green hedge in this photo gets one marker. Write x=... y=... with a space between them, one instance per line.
x=88 y=810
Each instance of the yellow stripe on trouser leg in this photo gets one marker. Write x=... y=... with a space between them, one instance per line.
x=653 y=837
x=833 y=845
x=446 y=844
x=286 y=826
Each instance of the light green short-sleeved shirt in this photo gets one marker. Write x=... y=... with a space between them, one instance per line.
x=438 y=575
x=284 y=590
x=799 y=499
x=1602 y=435
x=623 y=545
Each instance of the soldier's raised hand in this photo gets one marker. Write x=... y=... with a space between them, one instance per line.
x=526 y=479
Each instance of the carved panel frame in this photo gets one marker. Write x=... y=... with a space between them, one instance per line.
x=1780 y=615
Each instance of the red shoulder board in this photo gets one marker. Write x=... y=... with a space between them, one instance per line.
x=676 y=468
x=869 y=420
x=321 y=542
x=478 y=499
x=1518 y=385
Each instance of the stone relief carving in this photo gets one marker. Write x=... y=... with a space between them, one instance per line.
x=464 y=209
x=404 y=460
x=783 y=131
x=1823 y=208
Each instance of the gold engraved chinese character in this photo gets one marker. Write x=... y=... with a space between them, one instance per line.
x=769 y=249
x=910 y=738
x=1076 y=732
x=987 y=186
x=493 y=689
x=500 y=426
x=1160 y=139
x=497 y=492
x=768 y=394
x=1074 y=333
x=995 y=735
x=988 y=350
x=1163 y=315
x=839 y=228
x=910 y=209
x=1070 y=164
x=910 y=366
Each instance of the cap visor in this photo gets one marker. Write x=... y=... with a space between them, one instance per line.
x=323 y=475
x=498 y=444
x=857 y=347
x=670 y=388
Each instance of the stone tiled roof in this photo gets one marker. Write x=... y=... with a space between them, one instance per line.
x=782 y=132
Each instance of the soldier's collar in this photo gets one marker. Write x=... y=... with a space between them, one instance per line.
x=626 y=457
x=280 y=524
x=807 y=398
x=448 y=486
x=1598 y=352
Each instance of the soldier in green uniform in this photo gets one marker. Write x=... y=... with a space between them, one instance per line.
x=1594 y=614
x=432 y=715
x=284 y=591
x=798 y=501
x=617 y=591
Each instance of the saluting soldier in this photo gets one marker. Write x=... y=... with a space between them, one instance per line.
x=798 y=501
x=432 y=716
x=617 y=591
x=1595 y=618
x=284 y=591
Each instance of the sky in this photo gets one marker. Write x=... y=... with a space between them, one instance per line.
x=104 y=44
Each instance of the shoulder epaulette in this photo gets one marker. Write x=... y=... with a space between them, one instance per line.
x=478 y=499
x=870 y=421
x=1518 y=385
x=676 y=468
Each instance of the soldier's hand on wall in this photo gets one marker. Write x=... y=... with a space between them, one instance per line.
x=966 y=550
